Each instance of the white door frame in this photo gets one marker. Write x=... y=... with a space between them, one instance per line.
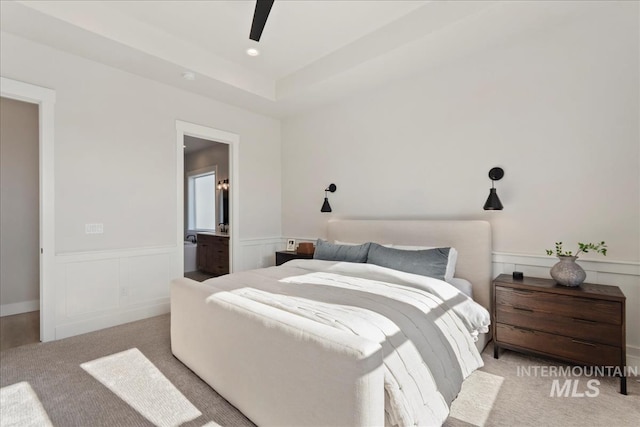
x=214 y=135
x=46 y=99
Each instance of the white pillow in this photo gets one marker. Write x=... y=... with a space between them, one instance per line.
x=338 y=242
x=451 y=261
x=463 y=286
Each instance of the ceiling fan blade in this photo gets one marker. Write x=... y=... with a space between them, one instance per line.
x=260 y=15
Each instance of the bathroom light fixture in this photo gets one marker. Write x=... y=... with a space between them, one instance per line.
x=253 y=51
x=223 y=185
x=326 y=207
x=493 y=202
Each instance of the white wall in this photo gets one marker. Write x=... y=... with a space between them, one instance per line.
x=217 y=154
x=19 y=201
x=114 y=128
x=115 y=163
x=557 y=108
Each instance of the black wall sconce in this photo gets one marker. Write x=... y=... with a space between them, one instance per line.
x=223 y=185
x=493 y=202
x=326 y=207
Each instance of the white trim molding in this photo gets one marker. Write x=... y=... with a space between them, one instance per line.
x=46 y=99
x=603 y=266
x=19 y=307
x=233 y=140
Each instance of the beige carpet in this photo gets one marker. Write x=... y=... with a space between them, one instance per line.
x=526 y=400
x=127 y=376
x=19 y=406
x=133 y=378
x=71 y=396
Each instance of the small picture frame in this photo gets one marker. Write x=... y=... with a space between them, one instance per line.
x=291 y=245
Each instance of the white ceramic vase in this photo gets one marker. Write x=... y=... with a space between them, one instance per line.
x=567 y=272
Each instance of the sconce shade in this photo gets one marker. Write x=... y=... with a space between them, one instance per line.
x=326 y=207
x=493 y=202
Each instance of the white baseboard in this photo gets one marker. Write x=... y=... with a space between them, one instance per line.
x=113 y=319
x=19 y=307
x=633 y=357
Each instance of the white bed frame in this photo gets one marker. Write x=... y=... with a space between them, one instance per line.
x=282 y=370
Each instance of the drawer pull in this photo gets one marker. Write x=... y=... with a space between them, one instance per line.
x=583 y=320
x=583 y=342
x=523 y=309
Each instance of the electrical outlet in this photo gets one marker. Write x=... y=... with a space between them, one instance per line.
x=124 y=292
x=94 y=228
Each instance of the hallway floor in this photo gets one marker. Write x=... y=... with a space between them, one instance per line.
x=19 y=329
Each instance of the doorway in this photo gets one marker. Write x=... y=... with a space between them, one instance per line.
x=206 y=208
x=194 y=138
x=44 y=100
x=19 y=224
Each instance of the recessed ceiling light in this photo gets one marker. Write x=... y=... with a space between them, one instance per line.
x=188 y=75
x=253 y=52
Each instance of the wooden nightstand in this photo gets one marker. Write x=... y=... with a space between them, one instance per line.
x=583 y=325
x=284 y=256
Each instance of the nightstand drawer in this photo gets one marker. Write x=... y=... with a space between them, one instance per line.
x=562 y=305
x=605 y=333
x=562 y=347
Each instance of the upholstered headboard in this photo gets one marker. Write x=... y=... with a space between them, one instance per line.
x=472 y=240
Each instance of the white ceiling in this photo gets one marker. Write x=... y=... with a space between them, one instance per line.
x=297 y=32
x=312 y=51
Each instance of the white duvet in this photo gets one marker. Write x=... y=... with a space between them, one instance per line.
x=425 y=326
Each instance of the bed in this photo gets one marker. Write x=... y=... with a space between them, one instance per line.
x=338 y=343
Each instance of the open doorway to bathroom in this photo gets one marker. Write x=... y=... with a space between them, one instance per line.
x=19 y=223
x=206 y=208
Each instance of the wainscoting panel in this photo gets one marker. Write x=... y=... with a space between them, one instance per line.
x=99 y=290
x=144 y=278
x=102 y=289
x=625 y=275
x=89 y=287
x=258 y=253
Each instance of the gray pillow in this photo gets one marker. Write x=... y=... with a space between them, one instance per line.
x=428 y=262
x=349 y=253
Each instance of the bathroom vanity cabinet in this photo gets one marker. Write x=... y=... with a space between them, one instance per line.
x=213 y=253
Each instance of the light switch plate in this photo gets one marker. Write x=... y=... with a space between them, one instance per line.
x=93 y=228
